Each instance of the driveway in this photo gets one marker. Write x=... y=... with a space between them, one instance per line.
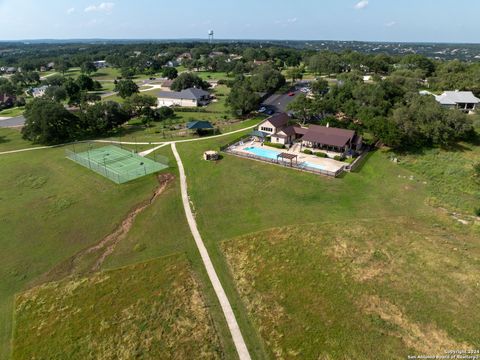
x=279 y=102
x=12 y=122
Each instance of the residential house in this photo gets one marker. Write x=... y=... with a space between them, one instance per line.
x=191 y=97
x=462 y=100
x=288 y=134
x=100 y=64
x=280 y=131
x=39 y=91
x=172 y=63
x=331 y=139
x=7 y=101
x=274 y=124
x=184 y=56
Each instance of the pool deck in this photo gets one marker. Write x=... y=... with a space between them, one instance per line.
x=325 y=163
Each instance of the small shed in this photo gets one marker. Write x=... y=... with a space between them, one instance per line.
x=211 y=155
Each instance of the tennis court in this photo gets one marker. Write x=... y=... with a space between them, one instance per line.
x=116 y=164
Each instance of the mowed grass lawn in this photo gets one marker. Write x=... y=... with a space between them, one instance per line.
x=379 y=214
x=51 y=209
x=11 y=139
x=97 y=317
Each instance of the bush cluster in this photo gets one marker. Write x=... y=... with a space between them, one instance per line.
x=278 y=146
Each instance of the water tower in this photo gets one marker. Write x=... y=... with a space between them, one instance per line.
x=210 y=36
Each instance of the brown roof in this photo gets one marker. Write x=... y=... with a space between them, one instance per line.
x=279 y=120
x=329 y=136
x=294 y=130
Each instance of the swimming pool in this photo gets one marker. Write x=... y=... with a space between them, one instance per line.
x=266 y=153
x=312 y=166
x=271 y=154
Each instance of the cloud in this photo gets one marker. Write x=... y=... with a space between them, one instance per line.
x=71 y=11
x=292 y=20
x=391 y=23
x=362 y=4
x=105 y=7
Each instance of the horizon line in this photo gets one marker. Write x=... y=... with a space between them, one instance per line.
x=220 y=40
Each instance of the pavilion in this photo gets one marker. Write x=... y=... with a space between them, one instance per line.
x=287 y=157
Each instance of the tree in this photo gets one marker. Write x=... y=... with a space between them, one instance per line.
x=48 y=122
x=295 y=73
x=88 y=68
x=56 y=93
x=85 y=82
x=169 y=72
x=266 y=79
x=62 y=65
x=138 y=104
x=423 y=122
x=164 y=112
x=127 y=72
x=126 y=88
x=73 y=91
x=188 y=80
x=319 y=87
x=242 y=99
x=100 y=118
x=302 y=108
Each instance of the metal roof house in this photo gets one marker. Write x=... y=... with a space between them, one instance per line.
x=191 y=97
x=463 y=100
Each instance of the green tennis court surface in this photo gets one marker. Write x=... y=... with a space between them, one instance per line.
x=116 y=164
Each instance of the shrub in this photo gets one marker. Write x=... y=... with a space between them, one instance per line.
x=477 y=211
x=307 y=151
x=339 y=157
x=321 y=154
x=278 y=146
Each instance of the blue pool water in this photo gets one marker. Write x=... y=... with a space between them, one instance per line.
x=312 y=165
x=269 y=154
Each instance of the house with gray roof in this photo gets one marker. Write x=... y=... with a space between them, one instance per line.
x=191 y=97
x=462 y=100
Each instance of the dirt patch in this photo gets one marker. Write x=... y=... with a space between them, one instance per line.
x=92 y=258
x=424 y=338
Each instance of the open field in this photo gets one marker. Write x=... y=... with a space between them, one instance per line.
x=97 y=315
x=45 y=221
x=258 y=197
x=449 y=175
x=12 y=112
x=360 y=290
x=11 y=139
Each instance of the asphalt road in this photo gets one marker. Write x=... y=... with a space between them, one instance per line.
x=12 y=122
x=279 y=102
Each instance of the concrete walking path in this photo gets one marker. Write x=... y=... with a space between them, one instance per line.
x=235 y=332
x=162 y=143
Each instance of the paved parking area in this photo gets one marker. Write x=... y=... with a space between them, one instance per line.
x=12 y=122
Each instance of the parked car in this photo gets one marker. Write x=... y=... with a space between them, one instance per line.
x=262 y=109
x=291 y=94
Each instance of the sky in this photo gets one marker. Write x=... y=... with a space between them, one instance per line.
x=362 y=20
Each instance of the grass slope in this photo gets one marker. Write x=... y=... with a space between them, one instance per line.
x=368 y=290
x=237 y=196
x=11 y=139
x=52 y=209
x=98 y=316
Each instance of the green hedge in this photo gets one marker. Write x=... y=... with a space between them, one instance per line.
x=278 y=146
x=308 y=152
x=321 y=154
x=339 y=157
